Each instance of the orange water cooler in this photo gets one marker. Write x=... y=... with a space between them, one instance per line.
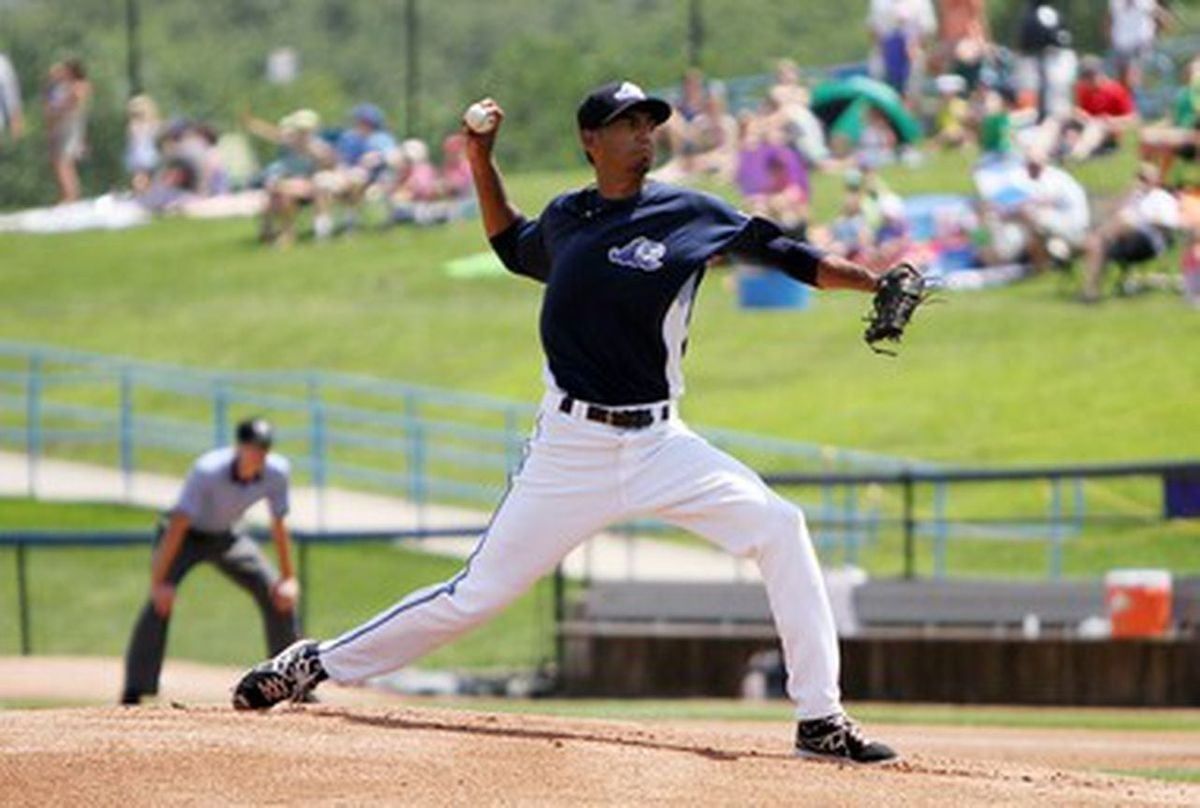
x=1139 y=602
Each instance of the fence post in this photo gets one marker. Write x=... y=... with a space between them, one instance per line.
x=33 y=422
x=23 y=601
x=850 y=524
x=828 y=506
x=910 y=549
x=304 y=578
x=1056 y=528
x=317 y=447
x=220 y=414
x=126 y=432
x=560 y=613
x=416 y=458
x=940 y=531
x=1080 y=503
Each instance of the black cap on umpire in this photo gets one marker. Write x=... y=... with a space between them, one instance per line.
x=605 y=103
x=255 y=432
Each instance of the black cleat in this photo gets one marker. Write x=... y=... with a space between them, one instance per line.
x=838 y=738
x=289 y=676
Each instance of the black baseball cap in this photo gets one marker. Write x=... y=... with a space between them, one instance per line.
x=603 y=104
x=256 y=432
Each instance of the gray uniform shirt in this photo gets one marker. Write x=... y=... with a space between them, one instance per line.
x=213 y=499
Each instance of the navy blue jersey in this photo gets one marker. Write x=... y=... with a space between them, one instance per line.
x=621 y=277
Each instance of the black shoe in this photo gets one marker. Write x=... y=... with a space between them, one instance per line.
x=837 y=737
x=131 y=698
x=289 y=676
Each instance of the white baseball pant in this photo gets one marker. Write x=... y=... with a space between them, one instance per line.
x=578 y=477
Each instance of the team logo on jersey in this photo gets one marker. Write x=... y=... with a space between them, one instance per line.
x=641 y=253
x=628 y=91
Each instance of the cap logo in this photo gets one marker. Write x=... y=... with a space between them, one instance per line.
x=628 y=91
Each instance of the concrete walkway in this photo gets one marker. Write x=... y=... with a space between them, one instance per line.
x=606 y=557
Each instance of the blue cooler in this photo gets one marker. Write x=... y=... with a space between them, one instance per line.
x=769 y=289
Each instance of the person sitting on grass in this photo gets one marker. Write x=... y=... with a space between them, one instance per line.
x=456 y=182
x=953 y=118
x=171 y=189
x=289 y=179
x=1055 y=217
x=362 y=150
x=1179 y=136
x=787 y=108
x=141 y=142
x=421 y=193
x=784 y=195
x=1104 y=110
x=1141 y=230
x=717 y=135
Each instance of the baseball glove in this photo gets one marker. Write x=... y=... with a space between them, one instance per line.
x=901 y=289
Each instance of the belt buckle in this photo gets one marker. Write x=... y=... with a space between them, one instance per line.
x=629 y=419
x=599 y=415
x=622 y=419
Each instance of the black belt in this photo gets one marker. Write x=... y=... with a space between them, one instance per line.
x=622 y=419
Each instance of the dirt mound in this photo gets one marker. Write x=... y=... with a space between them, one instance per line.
x=87 y=680
x=326 y=754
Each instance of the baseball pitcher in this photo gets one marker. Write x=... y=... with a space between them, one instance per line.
x=621 y=262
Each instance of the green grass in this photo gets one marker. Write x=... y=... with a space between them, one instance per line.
x=84 y=601
x=46 y=704
x=30 y=514
x=1018 y=374
x=1170 y=775
x=714 y=710
x=872 y=713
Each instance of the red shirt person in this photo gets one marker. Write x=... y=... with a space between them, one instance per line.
x=1104 y=108
x=1104 y=97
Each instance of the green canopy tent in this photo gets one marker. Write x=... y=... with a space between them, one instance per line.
x=841 y=105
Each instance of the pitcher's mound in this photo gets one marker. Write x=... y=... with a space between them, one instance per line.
x=308 y=754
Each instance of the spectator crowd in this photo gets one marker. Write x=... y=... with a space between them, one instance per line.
x=180 y=164
x=935 y=80
x=1030 y=115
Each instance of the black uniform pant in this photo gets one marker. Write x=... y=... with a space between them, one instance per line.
x=237 y=556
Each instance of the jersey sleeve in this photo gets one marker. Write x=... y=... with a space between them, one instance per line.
x=191 y=498
x=277 y=493
x=762 y=242
x=718 y=224
x=522 y=249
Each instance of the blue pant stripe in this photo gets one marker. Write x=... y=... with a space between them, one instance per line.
x=445 y=589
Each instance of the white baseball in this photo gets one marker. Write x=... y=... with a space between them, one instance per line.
x=479 y=119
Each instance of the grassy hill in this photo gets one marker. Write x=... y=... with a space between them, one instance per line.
x=1018 y=374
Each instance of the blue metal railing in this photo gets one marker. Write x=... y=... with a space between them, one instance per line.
x=426 y=444
x=1060 y=523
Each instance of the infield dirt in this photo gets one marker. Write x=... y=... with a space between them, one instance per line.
x=386 y=750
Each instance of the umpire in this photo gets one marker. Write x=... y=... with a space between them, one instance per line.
x=221 y=486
